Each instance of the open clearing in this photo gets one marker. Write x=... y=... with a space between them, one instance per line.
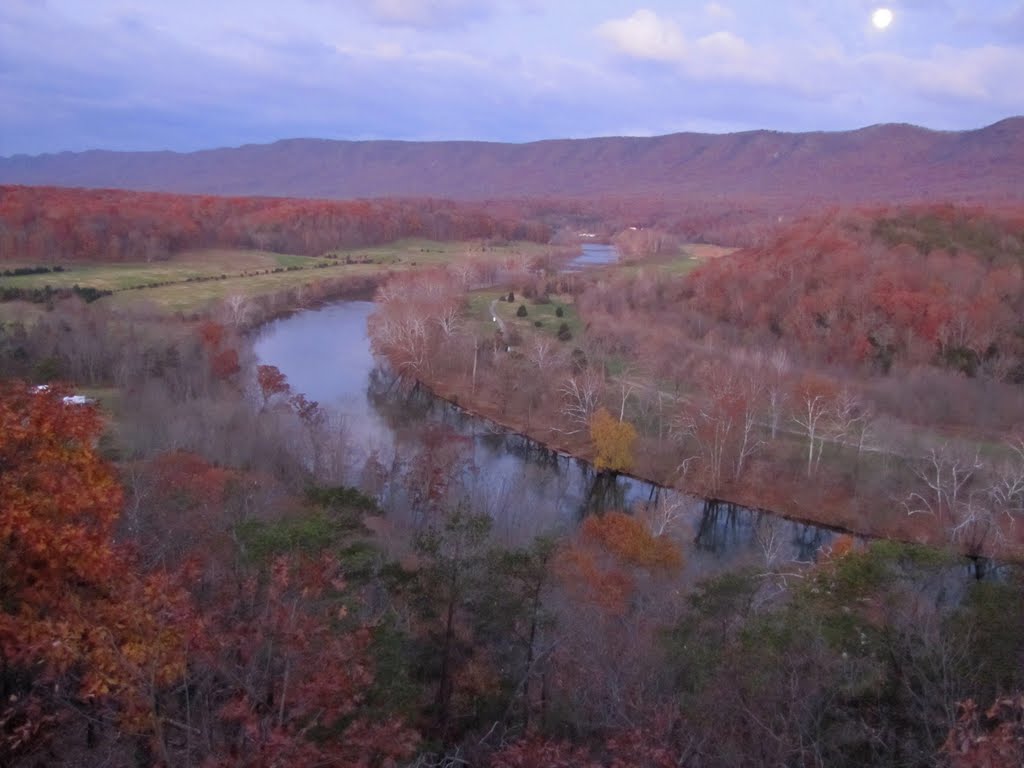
x=193 y=279
x=428 y=252
x=702 y=252
x=185 y=296
x=480 y=303
x=20 y=312
x=689 y=257
x=194 y=265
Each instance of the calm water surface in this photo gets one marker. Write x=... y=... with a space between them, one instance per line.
x=594 y=255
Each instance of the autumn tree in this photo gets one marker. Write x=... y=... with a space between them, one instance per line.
x=613 y=442
x=271 y=382
x=722 y=423
x=80 y=631
x=615 y=575
x=290 y=670
x=222 y=354
x=415 y=315
x=991 y=738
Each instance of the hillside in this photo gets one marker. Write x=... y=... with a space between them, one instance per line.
x=48 y=224
x=940 y=285
x=890 y=162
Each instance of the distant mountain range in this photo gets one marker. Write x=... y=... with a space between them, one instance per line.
x=885 y=162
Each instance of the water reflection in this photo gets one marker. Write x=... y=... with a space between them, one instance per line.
x=593 y=255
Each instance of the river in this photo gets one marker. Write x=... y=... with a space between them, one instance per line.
x=325 y=353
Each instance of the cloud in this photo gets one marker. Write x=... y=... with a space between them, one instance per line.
x=425 y=13
x=645 y=35
x=975 y=74
x=723 y=54
x=720 y=55
x=719 y=12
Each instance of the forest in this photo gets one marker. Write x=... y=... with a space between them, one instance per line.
x=45 y=225
x=196 y=572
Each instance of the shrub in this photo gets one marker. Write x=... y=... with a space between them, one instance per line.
x=559 y=312
x=564 y=334
x=521 y=312
x=511 y=297
x=578 y=359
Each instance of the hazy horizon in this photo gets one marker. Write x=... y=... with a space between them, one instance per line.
x=136 y=76
x=287 y=139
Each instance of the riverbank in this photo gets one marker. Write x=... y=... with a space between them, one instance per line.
x=819 y=503
x=581 y=451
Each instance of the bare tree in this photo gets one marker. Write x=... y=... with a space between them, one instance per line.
x=542 y=351
x=778 y=366
x=465 y=270
x=666 y=512
x=627 y=384
x=449 y=317
x=1007 y=487
x=401 y=333
x=237 y=309
x=851 y=420
x=815 y=405
x=723 y=424
x=950 y=490
x=581 y=394
x=750 y=389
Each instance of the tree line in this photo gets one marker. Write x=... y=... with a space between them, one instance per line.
x=51 y=224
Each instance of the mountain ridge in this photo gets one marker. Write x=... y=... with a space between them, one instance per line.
x=890 y=161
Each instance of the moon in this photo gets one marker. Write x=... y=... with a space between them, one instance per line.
x=881 y=18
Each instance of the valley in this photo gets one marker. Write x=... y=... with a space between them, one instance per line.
x=556 y=481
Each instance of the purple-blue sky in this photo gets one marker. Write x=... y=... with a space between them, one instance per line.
x=191 y=74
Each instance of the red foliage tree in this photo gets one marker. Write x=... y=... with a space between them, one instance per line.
x=271 y=382
x=79 y=630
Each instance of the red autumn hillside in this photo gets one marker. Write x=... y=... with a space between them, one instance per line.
x=47 y=224
x=939 y=285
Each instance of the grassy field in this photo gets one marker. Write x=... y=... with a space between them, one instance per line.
x=688 y=258
x=702 y=252
x=193 y=279
x=545 y=314
x=20 y=311
x=185 y=296
x=430 y=252
x=191 y=265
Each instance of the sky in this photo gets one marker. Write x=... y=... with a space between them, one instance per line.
x=194 y=74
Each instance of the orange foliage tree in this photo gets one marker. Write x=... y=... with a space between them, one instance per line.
x=79 y=630
x=613 y=442
x=616 y=576
x=990 y=739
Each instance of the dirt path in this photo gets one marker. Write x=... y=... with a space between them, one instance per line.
x=496 y=319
